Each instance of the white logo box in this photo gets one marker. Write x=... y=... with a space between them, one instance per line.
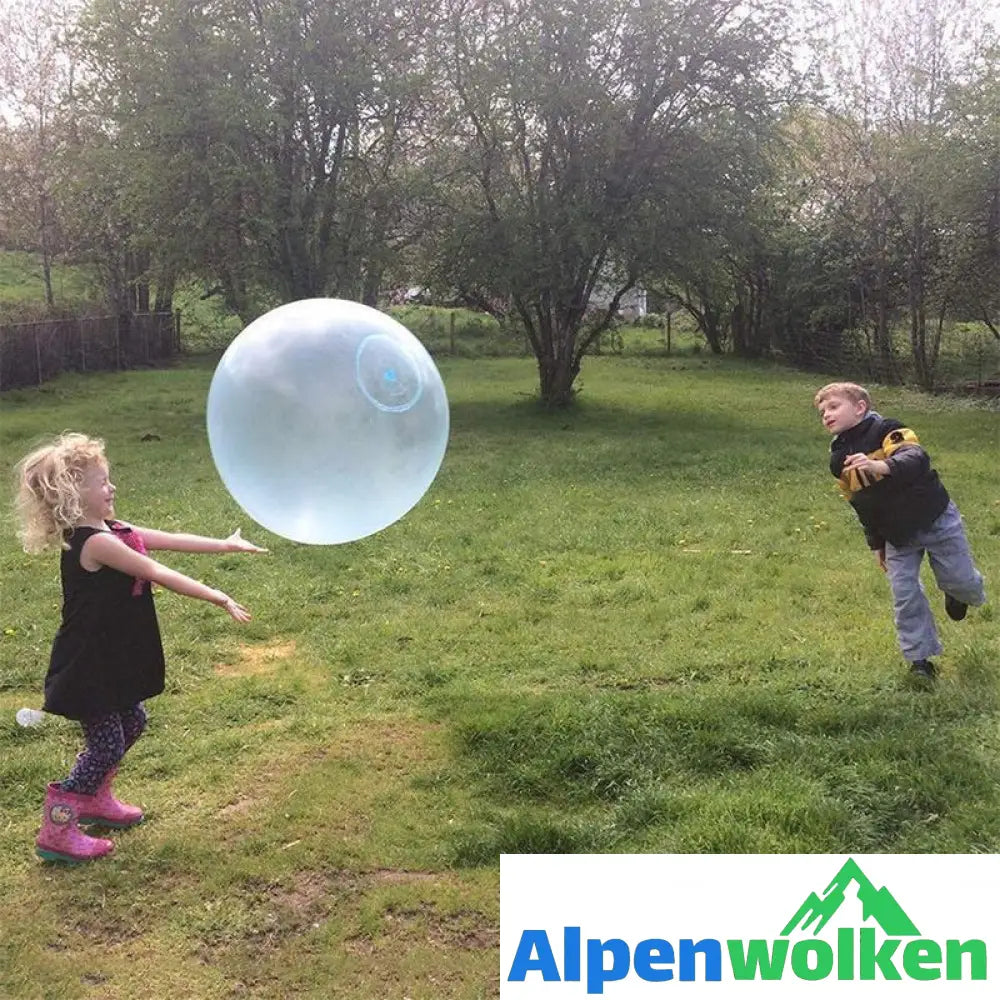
x=585 y=918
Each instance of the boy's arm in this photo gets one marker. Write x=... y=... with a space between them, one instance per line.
x=905 y=458
x=875 y=541
x=180 y=542
x=908 y=462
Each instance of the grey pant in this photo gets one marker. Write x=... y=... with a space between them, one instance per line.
x=951 y=562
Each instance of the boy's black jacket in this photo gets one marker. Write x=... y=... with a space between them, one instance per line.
x=895 y=507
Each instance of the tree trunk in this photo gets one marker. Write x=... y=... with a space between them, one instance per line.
x=235 y=295
x=50 y=300
x=758 y=333
x=556 y=376
x=924 y=368
x=738 y=329
x=886 y=363
x=553 y=340
x=710 y=327
x=164 y=301
x=372 y=282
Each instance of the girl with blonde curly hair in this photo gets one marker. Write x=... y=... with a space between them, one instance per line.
x=107 y=657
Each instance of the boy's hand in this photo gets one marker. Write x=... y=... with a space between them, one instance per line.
x=880 y=558
x=868 y=469
x=237 y=543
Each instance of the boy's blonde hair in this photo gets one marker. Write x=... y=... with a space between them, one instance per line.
x=849 y=390
x=48 y=488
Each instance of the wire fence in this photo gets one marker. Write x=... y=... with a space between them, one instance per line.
x=32 y=353
x=967 y=362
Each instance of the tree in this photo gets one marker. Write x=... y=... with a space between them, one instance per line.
x=718 y=264
x=261 y=142
x=577 y=125
x=975 y=196
x=890 y=167
x=36 y=74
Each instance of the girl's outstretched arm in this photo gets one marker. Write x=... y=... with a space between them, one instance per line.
x=176 y=542
x=103 y=549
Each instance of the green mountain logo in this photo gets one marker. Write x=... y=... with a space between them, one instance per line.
x=877 y=904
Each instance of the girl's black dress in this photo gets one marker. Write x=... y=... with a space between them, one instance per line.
x=107 y=655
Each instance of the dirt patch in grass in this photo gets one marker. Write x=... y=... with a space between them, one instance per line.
x=98 y=929
x=463 y=929
x=310 y=897
x=391 y=744
x=293 y=907
x=355 y=881
x=313 y=893
x=239 y=807
x=258 y=659
x=389 y=747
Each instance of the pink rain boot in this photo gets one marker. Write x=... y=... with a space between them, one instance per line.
x=60 y=838
x=103 y=808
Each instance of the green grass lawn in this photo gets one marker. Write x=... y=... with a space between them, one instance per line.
x=649 y=624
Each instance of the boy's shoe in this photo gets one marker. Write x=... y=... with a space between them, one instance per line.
x=923 y=669
x=955 y=608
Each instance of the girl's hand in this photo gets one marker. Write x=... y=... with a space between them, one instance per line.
x=237 y=543
x=879 y=555
x=235 y=611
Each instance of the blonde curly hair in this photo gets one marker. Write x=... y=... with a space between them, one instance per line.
x=47 y=501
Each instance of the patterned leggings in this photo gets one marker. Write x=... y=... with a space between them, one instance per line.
x=108 y=738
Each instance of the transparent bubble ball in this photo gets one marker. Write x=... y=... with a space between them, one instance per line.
x=327 y=420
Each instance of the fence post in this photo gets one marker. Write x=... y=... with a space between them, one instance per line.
x=38 y=358
x=451 y=331
x=666 y=332
x=118 y=342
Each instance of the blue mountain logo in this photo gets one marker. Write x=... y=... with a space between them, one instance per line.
x=877 y=904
